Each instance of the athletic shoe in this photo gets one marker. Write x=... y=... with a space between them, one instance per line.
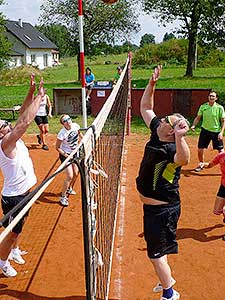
x=176 y=296
x=39 y=139
x=64 y=201
x=8 y=270
x=70 y=191
x=16 y=257
x=22 y=252
x=45 y=147
x=199 y=168
x=158 y=288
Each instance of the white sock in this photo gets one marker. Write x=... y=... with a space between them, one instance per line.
x=3 y=262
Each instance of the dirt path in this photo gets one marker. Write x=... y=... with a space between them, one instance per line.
x=54 y=266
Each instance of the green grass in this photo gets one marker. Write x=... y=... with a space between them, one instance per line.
x=14 y=84
x=54 y=124
x=138 y=126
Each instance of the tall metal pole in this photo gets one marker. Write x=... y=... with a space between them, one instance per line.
x=81 y=38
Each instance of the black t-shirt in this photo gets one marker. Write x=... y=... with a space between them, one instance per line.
x=158 y=175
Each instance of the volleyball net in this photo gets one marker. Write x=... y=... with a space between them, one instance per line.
x=99 y=159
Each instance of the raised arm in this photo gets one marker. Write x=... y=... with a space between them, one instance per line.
x=147 y=100
x=30 y=95
x=182 y=156
x=23 y=122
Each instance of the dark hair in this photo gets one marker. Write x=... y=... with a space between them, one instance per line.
x=88 y=69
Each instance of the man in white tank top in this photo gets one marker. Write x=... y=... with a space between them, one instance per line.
x=18 y=173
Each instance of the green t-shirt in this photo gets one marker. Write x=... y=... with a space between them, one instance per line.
x=211 y=116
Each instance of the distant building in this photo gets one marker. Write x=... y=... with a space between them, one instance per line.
x=30 y=46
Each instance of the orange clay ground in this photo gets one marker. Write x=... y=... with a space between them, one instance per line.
x=52 y=236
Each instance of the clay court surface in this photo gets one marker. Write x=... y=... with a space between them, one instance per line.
x=54 y=266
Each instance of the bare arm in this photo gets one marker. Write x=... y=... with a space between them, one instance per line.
x=30 y=95
x=147 y=100
x=182 y=156
x=57 y=147
x=195 y=122
x=220 y=135
x=23 y=122
x=49 y=106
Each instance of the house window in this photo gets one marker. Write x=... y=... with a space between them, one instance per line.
x=45 y=57
x=41 y=38
x=33 y=58
x=27 y=37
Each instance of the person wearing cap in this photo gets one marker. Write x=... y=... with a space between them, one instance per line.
x=67 y=140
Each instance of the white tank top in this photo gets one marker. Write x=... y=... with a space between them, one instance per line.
x=42 y=108
x=18 y=172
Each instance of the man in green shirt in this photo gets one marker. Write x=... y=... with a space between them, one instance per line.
x=213 y=123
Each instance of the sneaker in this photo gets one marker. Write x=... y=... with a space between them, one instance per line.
x=64 y=201
x=199 y=168
x=70 y=191
x=39 y=139
x=16 y=256
x=22 y=252
x=158 y=288
x=45 y=147
x=8 y=270
x=176 y=296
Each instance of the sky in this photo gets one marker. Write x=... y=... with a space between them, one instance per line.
x=29 y=11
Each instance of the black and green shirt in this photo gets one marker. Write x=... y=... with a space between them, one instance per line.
x=159 y=175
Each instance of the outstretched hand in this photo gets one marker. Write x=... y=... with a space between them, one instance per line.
x=41 y=90
x=32 y=83
x=155 y=75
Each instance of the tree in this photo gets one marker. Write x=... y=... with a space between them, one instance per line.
x=168 y=36
x=5 y=45
x=199 y=18
x=147 y=39
x=102 y=23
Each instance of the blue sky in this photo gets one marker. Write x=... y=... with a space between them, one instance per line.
x=29 y=11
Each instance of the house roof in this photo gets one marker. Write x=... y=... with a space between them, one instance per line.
x=29 y=35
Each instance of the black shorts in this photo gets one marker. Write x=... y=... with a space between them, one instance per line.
x=8 y=203
x=221 y=191
x=63 y=158
x=160 y=224
x=41 y=120
x=206 y=137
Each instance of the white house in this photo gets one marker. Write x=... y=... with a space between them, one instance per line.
x=30 y=46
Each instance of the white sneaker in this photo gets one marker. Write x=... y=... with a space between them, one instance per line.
x=8 y=270
x=22 y=252
x=16 y=256
x=70 y=191
x=64 y=201
x=176 y=296
x=158 y=288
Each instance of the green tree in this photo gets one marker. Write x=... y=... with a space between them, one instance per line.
x=102 y=23
x=168 y=36
x=146 y=39
x=199 y=18
x=5 y=45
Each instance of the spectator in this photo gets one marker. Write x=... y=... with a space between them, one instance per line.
x=213 y=123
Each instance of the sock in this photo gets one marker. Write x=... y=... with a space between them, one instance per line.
x=168 y=293
x=3 y=262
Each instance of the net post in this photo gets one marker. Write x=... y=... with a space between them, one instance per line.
x=129 y=94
